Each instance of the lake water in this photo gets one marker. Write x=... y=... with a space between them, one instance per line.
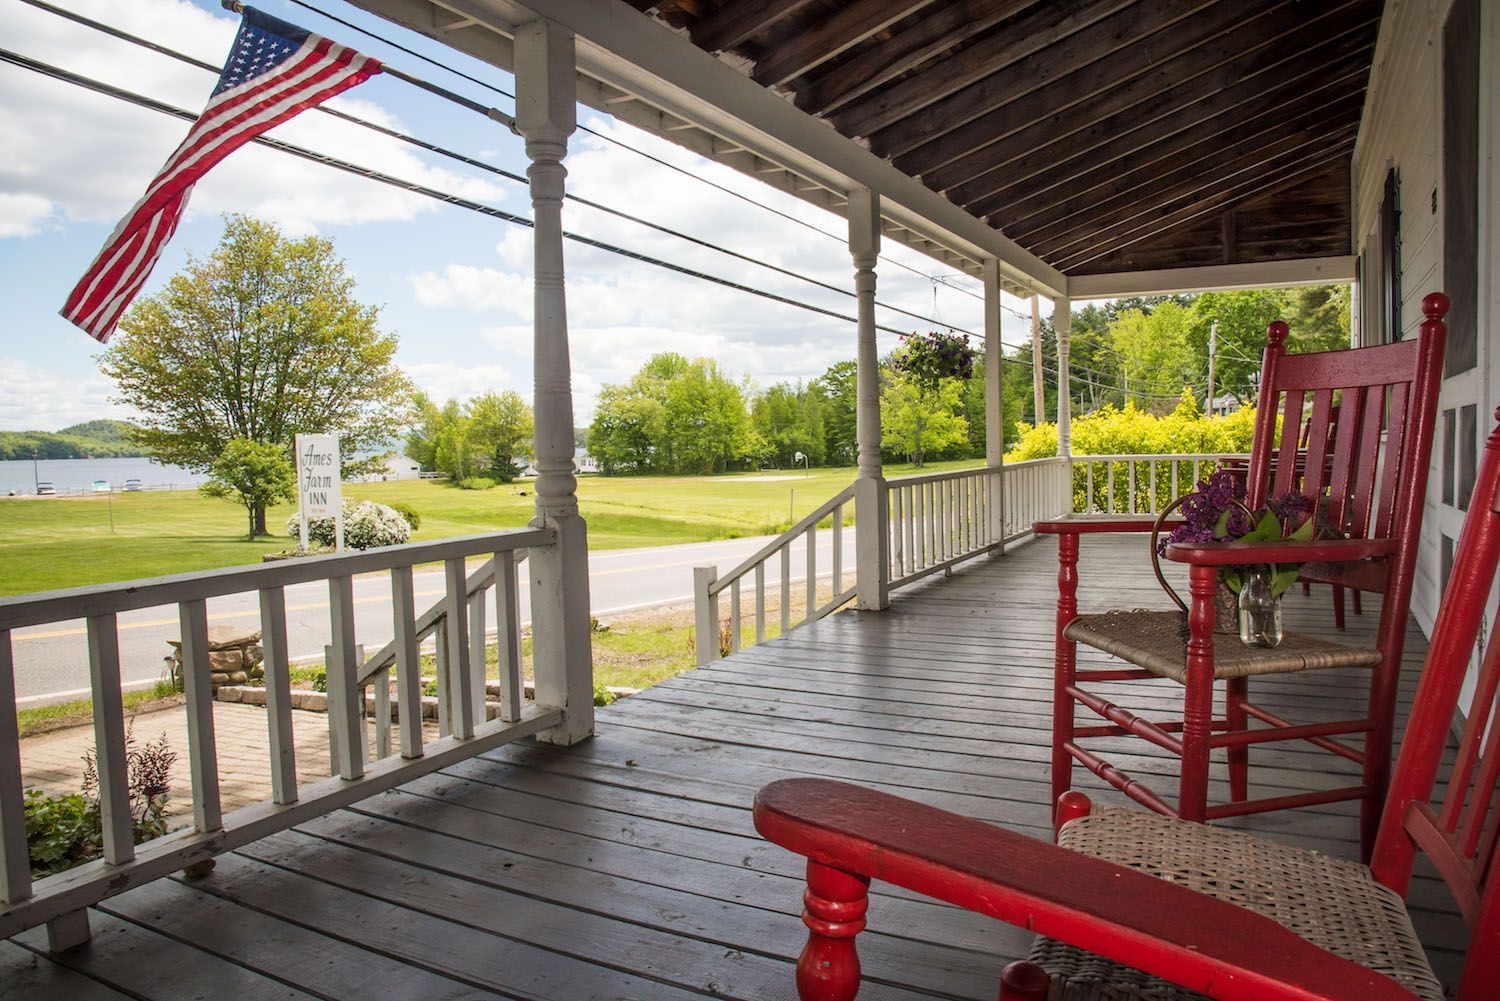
x=76 y=475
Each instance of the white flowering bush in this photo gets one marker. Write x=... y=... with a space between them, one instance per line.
x=366 y=526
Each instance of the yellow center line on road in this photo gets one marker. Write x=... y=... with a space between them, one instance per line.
x=370 y=600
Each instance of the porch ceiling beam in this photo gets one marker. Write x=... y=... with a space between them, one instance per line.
x=1203 y=163
x=1214 y=278
x=932 y=34
x=815 y=45
x=1063 y=169
x=1213 y=37
x=1042 y=26
x=1112 y=48
x=734 y=22
x=1175 y=90
x=1291 y=170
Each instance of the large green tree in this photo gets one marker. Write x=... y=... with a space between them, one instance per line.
x=262 y=339
x=500 y=424
x=255 y=475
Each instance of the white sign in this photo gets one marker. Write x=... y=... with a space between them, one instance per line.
x=320 y=491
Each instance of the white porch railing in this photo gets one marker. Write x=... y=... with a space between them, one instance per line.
x=937 y=520
x=708 y=586
x=59 y=899
x=1034 y=489
x=1139 y=483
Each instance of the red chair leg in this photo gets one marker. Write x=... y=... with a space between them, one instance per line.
x=1065 y=669
x=1238 y=690
x=834 y=912
x=1306 y=588
x=1022 y=981
x=1338 y=607
x=1359 y=608
x=1198 y=701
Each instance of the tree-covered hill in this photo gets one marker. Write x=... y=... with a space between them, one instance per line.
x=90 y=439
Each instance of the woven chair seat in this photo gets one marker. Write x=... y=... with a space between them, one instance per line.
x=1331 y=903
x=1157 y=642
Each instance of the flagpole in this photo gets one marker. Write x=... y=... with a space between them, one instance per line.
x=494 y=114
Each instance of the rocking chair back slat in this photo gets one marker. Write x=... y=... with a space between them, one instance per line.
x=1316 y=441
x=1397 y=467
x=1364 y=461
x=1341 y=486
x=1457 y=834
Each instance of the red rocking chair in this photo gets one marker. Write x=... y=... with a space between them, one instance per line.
x=1131 y=905
x=1369 y=473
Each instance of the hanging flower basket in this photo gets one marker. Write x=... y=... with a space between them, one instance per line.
x=928 y=359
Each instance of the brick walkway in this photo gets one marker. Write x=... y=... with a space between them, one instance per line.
x=54 y=761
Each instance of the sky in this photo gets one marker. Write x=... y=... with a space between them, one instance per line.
x=453 y=285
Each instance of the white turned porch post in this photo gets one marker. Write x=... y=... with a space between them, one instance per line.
x=1062 y=325
x=561 y=645
x=994 y=404
x=871 y=541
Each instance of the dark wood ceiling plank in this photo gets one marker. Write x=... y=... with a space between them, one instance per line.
x=1118 y=46
x=1216 y=36
x=1338 y=103
x=1193 y=113
x=1068 y=237
x=1033 y=31
x=1293 y=168
x=1077 y=220
x=1152 y=256
x=1175 y=87
x=933 y=34
x=737 y=20
x=816 y=44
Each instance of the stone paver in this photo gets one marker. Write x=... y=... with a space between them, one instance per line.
x=54 y=761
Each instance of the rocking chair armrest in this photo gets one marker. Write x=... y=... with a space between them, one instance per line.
x=1091 y=524
x=1286 y=551
x=1170 y=931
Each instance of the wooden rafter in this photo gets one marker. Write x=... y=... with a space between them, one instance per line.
x=1069 y=167
x=1032 y=32
x=1172 y=88
x=932 y=34
x=1293 y=169
x=733 y=23
x=1115 y=46
x=1324 y=110
x=813 y=46
x=1200 y=43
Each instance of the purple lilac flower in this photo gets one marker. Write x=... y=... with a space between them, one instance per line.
x=1289 y=506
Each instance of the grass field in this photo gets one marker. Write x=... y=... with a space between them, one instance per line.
x=58 y=542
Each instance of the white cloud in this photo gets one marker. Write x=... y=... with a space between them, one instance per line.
x=88 y=156
x=454 y=381
x=22 y=214
x=37 y=399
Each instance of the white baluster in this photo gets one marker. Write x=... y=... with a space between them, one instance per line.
x=276 y=663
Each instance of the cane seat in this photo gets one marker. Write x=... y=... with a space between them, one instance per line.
x=1157 y=642
x=1331 y=903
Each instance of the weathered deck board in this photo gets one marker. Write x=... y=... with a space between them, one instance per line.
x=627 y=867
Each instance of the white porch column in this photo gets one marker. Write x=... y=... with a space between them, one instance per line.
x=871 y=541
x=1062 y=325
x=994 y=403
x=562 y=651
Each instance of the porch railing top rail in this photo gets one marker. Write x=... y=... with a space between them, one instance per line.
x=105 y=599
x=784 y=539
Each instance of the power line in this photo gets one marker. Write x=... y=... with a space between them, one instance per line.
x=182 y=57
x=139 y=100
x=608 y=138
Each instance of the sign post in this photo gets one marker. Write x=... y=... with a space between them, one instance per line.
x=320 y=489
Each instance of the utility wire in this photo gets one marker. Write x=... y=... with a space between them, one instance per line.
x=617 y=142
x=182 y=57
x=65 y=76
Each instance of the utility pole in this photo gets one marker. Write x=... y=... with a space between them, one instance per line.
x=1213 y=346
x=1038 y=387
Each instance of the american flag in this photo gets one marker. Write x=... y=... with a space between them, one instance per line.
x=274 y=71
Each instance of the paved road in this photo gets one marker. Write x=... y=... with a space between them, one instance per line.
x=51 y=661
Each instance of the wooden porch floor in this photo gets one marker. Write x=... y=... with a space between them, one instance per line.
x=627 y=867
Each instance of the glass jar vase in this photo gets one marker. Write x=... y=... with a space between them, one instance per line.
x=1260 y=610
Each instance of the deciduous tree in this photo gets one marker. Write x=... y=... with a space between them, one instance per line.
x=255 y=475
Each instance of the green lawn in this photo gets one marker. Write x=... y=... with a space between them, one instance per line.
x=48 y=543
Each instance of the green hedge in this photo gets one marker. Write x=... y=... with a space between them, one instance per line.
x=1131 y=431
